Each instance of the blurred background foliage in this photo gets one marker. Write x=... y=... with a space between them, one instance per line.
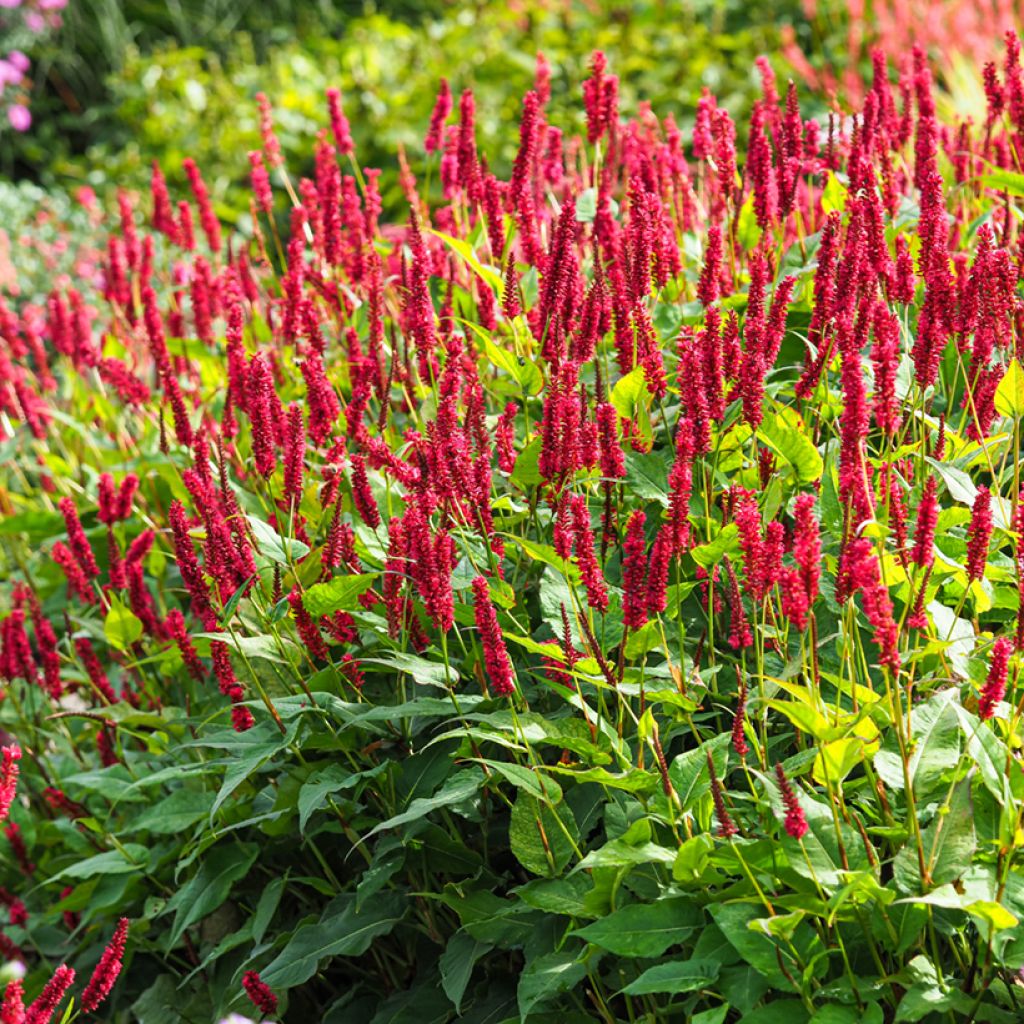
x=127 y=81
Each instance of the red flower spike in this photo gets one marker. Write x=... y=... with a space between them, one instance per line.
x=8 y=778
x=726 y=826
x=12 y=1011
x=796 y=822
x=497 y=666
x=259 y=993
x=979 y=533
x=634 y=572
x=44 y=1007
x=107 y=970
x=995 y=685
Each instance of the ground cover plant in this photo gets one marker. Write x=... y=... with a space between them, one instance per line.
x=593 y=597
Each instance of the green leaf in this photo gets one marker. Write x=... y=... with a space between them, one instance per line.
x=176 y=813
x=273 y=546
x=339 y=594
x=1009 y=397
x=341 y=931
x=673 y=978
x=630 y=392
x=320 y=784
x=122 y=627
x=526 y=471
x=130 y=858
x=780 y=1011
x=221 y=867
x=1004 y=181
x=754 y=947
x=948 y=843
x=935 y=729
x=423 y=671
x=958 y=483
x=548 y=976
x=457 y=963
x=644 y=929
x=836 y=1013
x=689 y=771
x=266 y=907
x=461 y=786
x=465 y=252
x=250 y=750
x=725 y=542
x=793 y=445
x=542 y=838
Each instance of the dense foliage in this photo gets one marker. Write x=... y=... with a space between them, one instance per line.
x=592 y=596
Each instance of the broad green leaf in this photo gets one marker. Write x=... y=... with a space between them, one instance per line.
x=121 y=626
x=958 y=483
x=755 y=948
x=535 y=783
x=935 y=729
x=273 y=546
x=541 y=838
x=644 y=929
x=339 y=594
x=220 y=868
x=780 y=1011
x=793 y=445
x=130 y=858
x=674 y=978
x=176 y=813
x=995 y=915
x=249 y=750
x=630 y=393
x=548 y=976
x=549 y=556
x=556 y=895
x=457 y=963
x=1009 y=397
x=948 y=844
x=689 y=771
x=619 y=853
x=464 y=251
x=341 y=931
x=726 y=542
x=335 y=777
x=525 y=473
x=461 y=786
x=1004 y=181
x=267 y=906
x=423 y=671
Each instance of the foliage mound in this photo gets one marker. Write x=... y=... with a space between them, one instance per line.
x=594 y=597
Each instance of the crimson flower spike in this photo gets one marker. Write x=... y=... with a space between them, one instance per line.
x=42 y=1010
x=796 y=822
x=995 y=685
x=496 y=661
x=259 y=993
x=726 y=826
x=107 y=970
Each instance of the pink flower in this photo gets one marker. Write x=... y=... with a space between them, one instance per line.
x=20 y=117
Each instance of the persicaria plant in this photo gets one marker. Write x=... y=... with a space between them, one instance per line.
x=591 y=593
